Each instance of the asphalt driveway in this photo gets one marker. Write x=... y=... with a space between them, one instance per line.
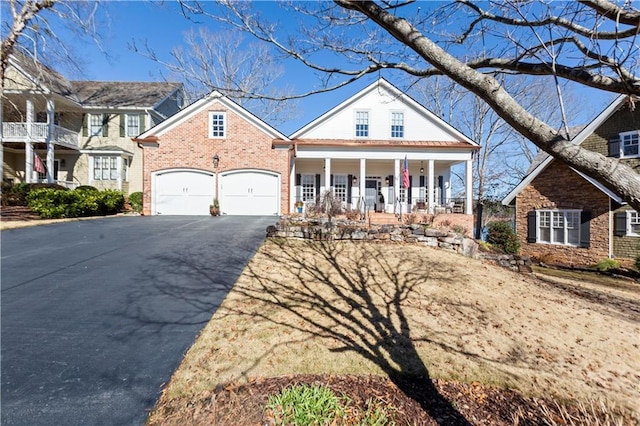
x=96 y=315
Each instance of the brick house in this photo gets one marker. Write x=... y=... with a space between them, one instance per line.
x=565 y=216
x=379 y=149
x=77 y=132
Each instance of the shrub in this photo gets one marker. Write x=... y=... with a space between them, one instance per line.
x=606 y=264
x=410 y=218
x=52 y=203
x=501 y=236
x=352 y=214
x=86 y=188
x=135 y=201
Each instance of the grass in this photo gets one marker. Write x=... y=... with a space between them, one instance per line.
x=304 y=307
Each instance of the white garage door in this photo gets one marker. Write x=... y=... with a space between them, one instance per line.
x=249 y=193
x=182 y=192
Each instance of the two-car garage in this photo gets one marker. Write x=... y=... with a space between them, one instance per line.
x=191 y=192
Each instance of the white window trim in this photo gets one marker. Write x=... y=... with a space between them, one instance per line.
x=90 y=131
x=404 y=127
x=355 y=123
x=224 y=124
x=566 y=234
x=126 y=124
x=312 y=178
x=118 y=168
x=622 y=135
x=629 y=232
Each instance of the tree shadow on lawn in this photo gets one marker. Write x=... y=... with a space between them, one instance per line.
x=358 y=302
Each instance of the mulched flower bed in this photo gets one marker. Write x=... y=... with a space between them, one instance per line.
x=13 y=213
x=444 y=403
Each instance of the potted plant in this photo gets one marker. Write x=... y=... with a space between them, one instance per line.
x=299 y=205
x=214 y=209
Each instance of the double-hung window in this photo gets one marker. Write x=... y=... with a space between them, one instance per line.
x=96 y=121
x=397 y=124
x=133 y=124
x=558 y=227
x=308 y=188
x=362 y=124
x=629 y=145
x=105 y=168
x=340 y=187
x=217 y=124
x=633 y=223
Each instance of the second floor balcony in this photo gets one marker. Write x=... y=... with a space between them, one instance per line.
x=19 y=132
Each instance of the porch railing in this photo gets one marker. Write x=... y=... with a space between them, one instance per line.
x=17 y=132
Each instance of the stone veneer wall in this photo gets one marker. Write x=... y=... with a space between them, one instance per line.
x=558 y=187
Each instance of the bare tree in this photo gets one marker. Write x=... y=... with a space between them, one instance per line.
x=223 y=61
x=33 y=27
x=591 y=43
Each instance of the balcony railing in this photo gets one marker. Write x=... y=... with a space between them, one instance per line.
x=17 y=132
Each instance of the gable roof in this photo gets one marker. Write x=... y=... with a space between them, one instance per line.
x=200 y=105
x=381 y=83
x=122 y=94
x=47 y=79
x=543 y=161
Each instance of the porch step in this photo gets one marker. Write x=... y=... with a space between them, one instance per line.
x=382 y=218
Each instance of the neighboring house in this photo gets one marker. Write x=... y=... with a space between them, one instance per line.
x=565 y=216
x=357 y=149
x=77 y=132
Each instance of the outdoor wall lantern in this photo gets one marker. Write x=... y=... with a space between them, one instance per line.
x=354 y=180
x=421 y=169
x=386 y=180
x=63 y=163
x=216 y=160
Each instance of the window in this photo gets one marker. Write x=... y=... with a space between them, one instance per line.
x=633 y=223
x=95 y=124
x=217 y=125
x=397 y=124
x=629 y=144
x=308 y=188
x=558 y=227
x=133 y=124
x=340 y=187
x=362 y=124
x=105 y=168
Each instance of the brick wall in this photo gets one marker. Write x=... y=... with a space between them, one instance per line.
x=558 y=187
x=188 y=145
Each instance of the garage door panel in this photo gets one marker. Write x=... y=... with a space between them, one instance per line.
x=249 y=193
x=183 y=193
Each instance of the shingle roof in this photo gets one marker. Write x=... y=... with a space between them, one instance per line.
x=120 y=94
x=541 y=155
x=44 y=75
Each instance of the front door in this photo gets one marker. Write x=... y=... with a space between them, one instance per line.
x=371 y=193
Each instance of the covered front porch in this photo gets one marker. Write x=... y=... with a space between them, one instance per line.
x=39 y=133
x=374 y=183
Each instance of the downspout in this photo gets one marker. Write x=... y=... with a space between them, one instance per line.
x=610 y=230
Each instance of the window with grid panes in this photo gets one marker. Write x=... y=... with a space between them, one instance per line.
x=629 y=144
x=217 y=125
x=397 y=124
x=95 y=124
x=308 y=188
x=633 y=221
x=105 y=168
x=133 y=124
x=559 y=227
x=340 y=187
x=362 y=124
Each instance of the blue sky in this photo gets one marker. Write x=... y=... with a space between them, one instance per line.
x=162 y=26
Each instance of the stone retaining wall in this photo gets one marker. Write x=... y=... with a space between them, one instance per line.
x=360 y=231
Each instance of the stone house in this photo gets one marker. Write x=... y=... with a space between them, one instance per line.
x=565 y=216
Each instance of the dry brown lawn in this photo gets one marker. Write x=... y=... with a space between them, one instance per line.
x=346 y=308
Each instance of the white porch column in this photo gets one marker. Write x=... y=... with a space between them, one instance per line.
x=430 y=186
x=28 y=147
x=292 y=186
x=49 y=141
x=363 y=178
x=396 y=184
x=469 y=187
x=327 y=175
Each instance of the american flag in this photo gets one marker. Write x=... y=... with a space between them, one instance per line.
x=38 y=165
x=405 y=173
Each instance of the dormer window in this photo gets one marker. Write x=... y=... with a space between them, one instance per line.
x=362 y=124
x=629 y=144
x=397 y=124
